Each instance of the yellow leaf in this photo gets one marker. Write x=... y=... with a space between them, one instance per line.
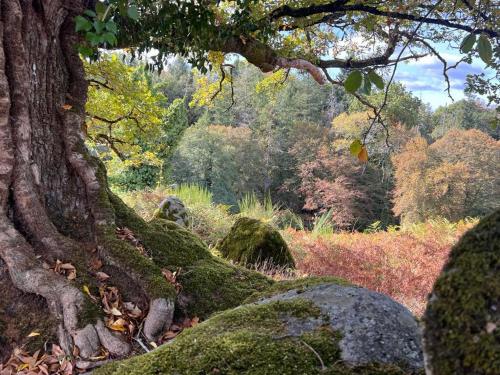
x=118 y=325
x=33 y=334
x=153 y=344
x=86 y=289
x=98 y=358
x=363 y=155
x=22 y=366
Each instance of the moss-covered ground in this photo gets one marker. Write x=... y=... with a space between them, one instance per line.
x=252 y=339
x=209 y=284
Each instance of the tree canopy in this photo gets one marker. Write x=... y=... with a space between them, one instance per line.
x=361 y=38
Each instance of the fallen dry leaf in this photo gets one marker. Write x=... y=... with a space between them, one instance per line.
x=116 y=312
x=118 y=325
x=126 y=234
x=101 y=276
x=171 y=277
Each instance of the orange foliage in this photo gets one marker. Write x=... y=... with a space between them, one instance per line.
x=401 y=264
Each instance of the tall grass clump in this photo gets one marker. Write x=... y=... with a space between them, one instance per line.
x=192 y=194
x=323 y=224
x=265 y=210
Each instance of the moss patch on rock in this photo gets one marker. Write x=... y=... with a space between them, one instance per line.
x=252 y=339
x=208 y=284
x=251 y=242
x=214 y=285
x=462 y=320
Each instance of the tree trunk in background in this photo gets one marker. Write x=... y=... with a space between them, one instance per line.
x=54 y=202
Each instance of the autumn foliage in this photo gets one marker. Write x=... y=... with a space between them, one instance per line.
x=400 y=263
x=454 y=177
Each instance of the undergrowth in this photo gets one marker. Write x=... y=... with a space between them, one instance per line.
x=400 y=261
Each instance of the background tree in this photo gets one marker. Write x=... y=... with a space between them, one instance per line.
x=354 y=192
x=451 y=178
x=123 y=114
x=465 y=114
x=224 y=159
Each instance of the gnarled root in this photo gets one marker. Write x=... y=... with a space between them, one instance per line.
x=64 y=300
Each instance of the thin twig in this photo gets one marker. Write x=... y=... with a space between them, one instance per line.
x=323 y=368
x=386 y=93
x=144 y=347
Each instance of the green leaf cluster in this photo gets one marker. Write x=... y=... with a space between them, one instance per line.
x=358 y=79
x=483 y=47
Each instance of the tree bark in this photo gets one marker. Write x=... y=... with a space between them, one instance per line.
x=54 y=202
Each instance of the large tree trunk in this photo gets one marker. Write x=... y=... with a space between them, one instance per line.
x=55 y=205
x=53 y=200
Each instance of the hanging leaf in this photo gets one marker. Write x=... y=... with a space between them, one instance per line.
x=484 y=49
x=355 y=147
x=111 y=27
x=367 y=85
x=99 y=26
x=110 y=38
x=468 y=43
x=363 y=155
x=133 y=13
x=376 y=79
x=100 y=9
x=353 y=81
x=82 y=24
x=90 y=13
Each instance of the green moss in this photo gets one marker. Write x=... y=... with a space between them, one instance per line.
x=213 y=285
x=298 y=284
x=252 y=339
x=208 y=283
x=252 y=242
x=89 y=313
x=169 y=245
x=137 y=264
x=464 y=303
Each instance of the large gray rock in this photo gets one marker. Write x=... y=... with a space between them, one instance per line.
x=172 y=209
x=374 y=327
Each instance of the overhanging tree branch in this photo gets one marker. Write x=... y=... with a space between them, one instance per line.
x=342 y=6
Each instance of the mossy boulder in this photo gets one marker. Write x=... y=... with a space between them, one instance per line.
x=209 y=284
x=173 y=209
x=251 y=242
x=462 y=320
x=287 y=334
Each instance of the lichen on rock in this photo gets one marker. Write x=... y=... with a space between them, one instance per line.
x=251 y=242
x=462 y=320
x=173 y=209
